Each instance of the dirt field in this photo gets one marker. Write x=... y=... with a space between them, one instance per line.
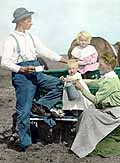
x=51 y=153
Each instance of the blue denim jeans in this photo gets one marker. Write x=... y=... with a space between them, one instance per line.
x=25 y=86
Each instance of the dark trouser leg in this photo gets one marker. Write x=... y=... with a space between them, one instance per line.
x=53 y=88
x=25 y=91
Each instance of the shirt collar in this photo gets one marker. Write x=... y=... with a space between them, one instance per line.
x=110 y=74
x=20 y=33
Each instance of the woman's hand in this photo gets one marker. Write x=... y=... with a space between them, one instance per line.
x=27 y=69
x=78 y=85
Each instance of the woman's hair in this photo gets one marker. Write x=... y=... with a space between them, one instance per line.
x=85 y=34
x=117 y=44
x=72 y=63
x=109 y=58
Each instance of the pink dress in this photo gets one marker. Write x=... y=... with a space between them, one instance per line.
x=87 y=58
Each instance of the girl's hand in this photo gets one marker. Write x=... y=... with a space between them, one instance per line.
x=62 y=78
x=69 y=80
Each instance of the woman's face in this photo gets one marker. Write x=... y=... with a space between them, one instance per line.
x=104 y=68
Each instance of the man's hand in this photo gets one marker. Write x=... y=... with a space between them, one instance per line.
x=27 y=69
x=63 y=60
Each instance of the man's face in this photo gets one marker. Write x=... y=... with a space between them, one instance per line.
x=26 y=23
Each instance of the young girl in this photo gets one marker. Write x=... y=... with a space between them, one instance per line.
x=79 y=102
x=86 y=54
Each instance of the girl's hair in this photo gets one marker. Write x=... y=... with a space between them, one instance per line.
x=85 y=34
x=109 y=58
x=72 y=63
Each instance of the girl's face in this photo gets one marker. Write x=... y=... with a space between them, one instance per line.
x=83 y=41
x=72 y=70
x=104 y=67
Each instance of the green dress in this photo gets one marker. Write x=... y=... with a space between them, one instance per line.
x=95 y=124
x=108 y=93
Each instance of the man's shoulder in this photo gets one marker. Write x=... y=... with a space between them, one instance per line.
x=10 y=37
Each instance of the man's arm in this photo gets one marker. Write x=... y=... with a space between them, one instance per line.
x=42 y=50
x=7 y=60
x=63 y=60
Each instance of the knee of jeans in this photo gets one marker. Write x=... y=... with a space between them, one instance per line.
x=24 y=108
x=23 y=118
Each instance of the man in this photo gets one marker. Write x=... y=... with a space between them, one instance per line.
x=20 y=56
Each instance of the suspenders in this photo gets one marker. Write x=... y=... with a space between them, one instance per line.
x=18 y=46
x=32 y=40
x=41 y=61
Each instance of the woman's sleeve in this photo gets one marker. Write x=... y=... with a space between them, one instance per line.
x=104 y=91
x=89 y=95
x=92 y=82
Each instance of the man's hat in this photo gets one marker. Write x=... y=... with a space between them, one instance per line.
x=21 y=13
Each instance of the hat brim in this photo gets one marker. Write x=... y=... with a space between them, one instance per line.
x=22 y=17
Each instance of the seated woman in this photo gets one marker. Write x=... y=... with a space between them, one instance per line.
x=103 y=115
x=86 y=54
